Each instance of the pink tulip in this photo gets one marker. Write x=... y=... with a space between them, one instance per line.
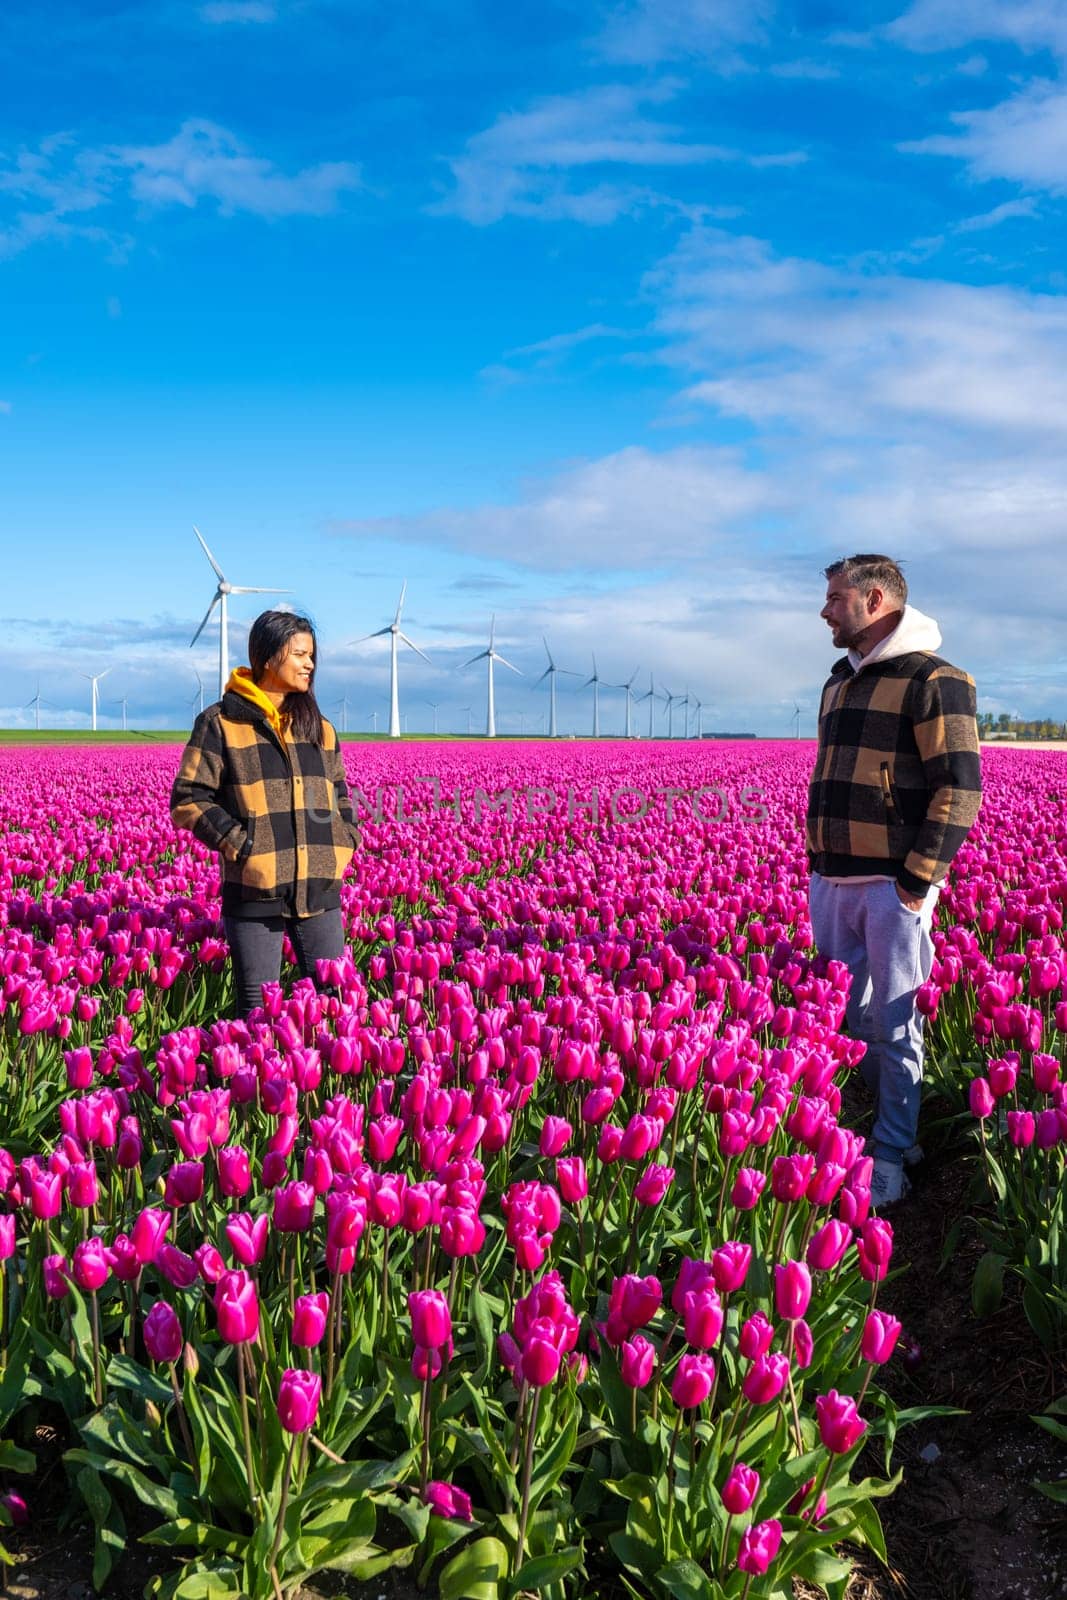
x=759 y=1546
x=298 y=1400
x=237 y=1308
x=310 y=1312
x=445 y=1500
x=740 y=1489
x=692 y=1381
x=880 y=1334
x=840 y=1424
x=162 y=1333
x=765 y=1379
x=431 y=1321
x=637 y=1358
x=792 y=1289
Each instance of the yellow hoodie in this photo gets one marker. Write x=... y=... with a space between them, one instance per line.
x=241 y=682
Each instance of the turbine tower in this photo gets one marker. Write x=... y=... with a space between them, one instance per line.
x=94 y=680
x=395 y=632
x=651 y=698
x=628 y=688
x=373 y=717
x=36 y=701
x=699 y=705
x=668 y=700
x=550 y=673
x=489 y=656
x=433 y=705
x=123 y=703
x=222 y=592
x=343 y=703
x=796 y=720
x=595 y=681
x=468 y=710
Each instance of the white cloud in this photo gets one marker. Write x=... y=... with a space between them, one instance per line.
x=52 y=189
x=1002 y=213
x=240 y=11
x=624 y=511
x=945 y=24
x=1023 y=139
x=644 y=32
x=546 y=162
x=206 y=162
x=796 y=342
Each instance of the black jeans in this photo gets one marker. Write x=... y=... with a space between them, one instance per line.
x=256 y=950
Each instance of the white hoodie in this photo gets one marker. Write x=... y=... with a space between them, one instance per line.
x=914 y=631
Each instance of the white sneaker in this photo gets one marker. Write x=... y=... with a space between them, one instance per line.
x=889 y=1184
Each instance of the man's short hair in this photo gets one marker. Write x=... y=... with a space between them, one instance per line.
x=871 y=572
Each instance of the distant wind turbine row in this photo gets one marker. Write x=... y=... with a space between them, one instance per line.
x=491 y=655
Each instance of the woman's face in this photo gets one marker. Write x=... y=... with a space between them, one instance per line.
x=292 y=674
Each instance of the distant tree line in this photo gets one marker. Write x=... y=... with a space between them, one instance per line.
x=1043 y=728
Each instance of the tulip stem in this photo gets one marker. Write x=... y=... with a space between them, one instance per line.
x=242 y=1390
x=331 y=1455
x=282 y=1509
x=527 y=1472
x=98 y=1376
x=182 y=1422
x=670 y=1481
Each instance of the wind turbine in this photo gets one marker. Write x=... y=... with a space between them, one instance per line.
x=699 y=705
x=651 y=698
x=123 y=703
x=550 y=673
x=36 y=701
x=489 y=656
x=628 y=688
x=374 y=717
x=199 y=691
x=684 y=704
x=94 y=680
x=343 y=703
x=433 y=704
x=468 y=710
x=222 y=592
x=668 y=700
x=796 y=720
x=395 y=632
x=595 y=681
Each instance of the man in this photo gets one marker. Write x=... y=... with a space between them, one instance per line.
x=896 y=787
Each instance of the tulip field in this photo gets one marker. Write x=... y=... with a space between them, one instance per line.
x=532 y=1251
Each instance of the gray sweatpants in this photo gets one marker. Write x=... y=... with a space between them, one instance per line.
x=889 y=952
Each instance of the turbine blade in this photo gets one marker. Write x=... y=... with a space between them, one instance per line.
x=236 y=589
x=548 y=652
x=218 y=570
x=365 y=636
x=400 y=603
x=480 y=657
x=203 y=625
x=414 y=647
x=541 y=679
x=507 y=664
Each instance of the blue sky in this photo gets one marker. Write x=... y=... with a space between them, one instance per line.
x=619 y=321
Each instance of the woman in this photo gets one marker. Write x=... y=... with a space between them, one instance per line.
x=263 y=783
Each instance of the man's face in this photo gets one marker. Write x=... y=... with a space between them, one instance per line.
x=846 y=612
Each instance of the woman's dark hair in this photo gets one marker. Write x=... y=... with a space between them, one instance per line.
x=268 y=643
